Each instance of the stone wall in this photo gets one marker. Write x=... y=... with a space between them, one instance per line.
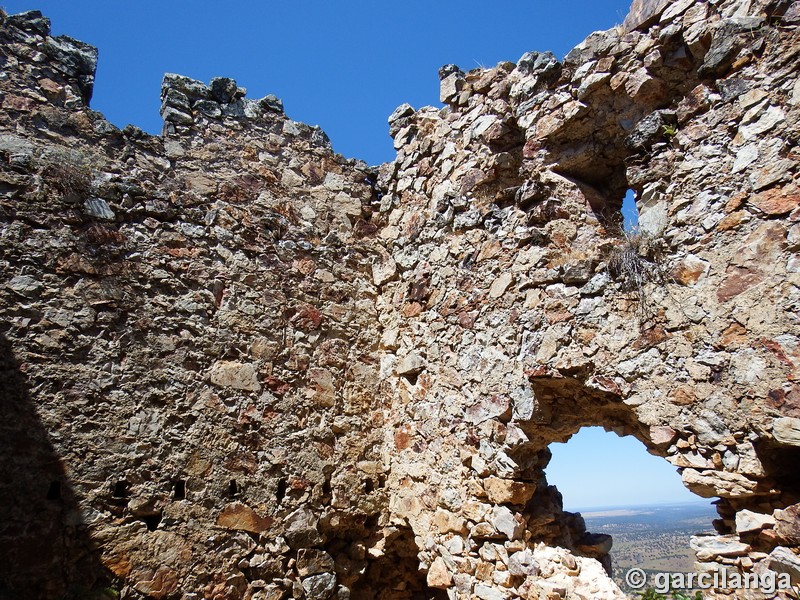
x=237 y=365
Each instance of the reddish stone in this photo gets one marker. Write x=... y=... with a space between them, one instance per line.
x=734 y=335
x=413 y=226
x=785 y=399
x=736 y=202
x=604 y=384
x=651 y=337
x=74 y=263
x=695 y=102
x=161 y=584
x=242 y=462
x=249 y=415
x=183 y=252
x=688 y=271
x=364 y=229
x=276 y=386
x=305 y=265
x=240 y=517
x=542 y=371
x=531 y=148
x=402 y=439
x=662 y=435
x=739 y=280
x=489 y=408
x=420 y=288
x=300 y=483
x=307 y=318
x=51 y=89
x=412 y=309
x=777 y=201
x=644 y=12
x=777 y=350
x=683 y=395
x=467 y=319
x=472 y=179
x=315 y=172
x=787 y=524
x=732 y=221
x=18 y=103
x=118 y=563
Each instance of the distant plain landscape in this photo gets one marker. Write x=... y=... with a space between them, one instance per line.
x=653 y=538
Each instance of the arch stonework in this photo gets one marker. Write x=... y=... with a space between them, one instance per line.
x=352 y=374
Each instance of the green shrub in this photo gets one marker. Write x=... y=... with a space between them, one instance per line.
x=669 y=131
x=651 y=594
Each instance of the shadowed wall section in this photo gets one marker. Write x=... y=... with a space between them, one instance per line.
x=45 y=548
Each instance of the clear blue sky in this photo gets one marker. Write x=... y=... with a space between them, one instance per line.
x=600 y=469
x=630 y=215
x=344 y=65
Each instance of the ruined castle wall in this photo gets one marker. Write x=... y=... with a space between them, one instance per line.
x=519 y=312
x=237 y=365
x=189 y=320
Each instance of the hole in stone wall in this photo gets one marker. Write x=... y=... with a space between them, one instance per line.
x=630 y=214
x=233 y=488
x=280 y=491
x=121 y=489
x=411 y=378
x=179 y=490
x=326 y=490
x=371 y=522
x=638 y=499
x=780 y=463
x=54 y=491
x=152 y=521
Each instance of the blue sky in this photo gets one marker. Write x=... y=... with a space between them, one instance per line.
x=600 y=469
x=346 y=66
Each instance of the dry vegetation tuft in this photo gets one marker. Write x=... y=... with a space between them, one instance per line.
x=68 y=172
x=636 y=262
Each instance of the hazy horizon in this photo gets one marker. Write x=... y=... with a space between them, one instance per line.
x=705 y=501
x=598 y=469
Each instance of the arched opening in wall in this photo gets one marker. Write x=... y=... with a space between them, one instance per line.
x=638 y=499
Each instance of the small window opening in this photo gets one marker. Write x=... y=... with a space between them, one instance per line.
x=121 y=489
x=152 y=521
x=280 y=491
x=630 y=214
x=179 y=490
x=326 y=489
x=411 y=378
x=371 y=522
x=54 y=491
